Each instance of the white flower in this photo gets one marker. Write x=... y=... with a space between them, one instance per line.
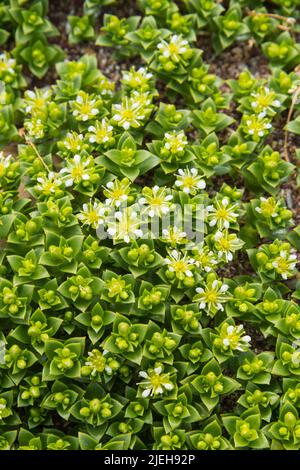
x=137 y=79
x=233 y=337
x=48 y=184
x=4 y=163
x=205 y=258
x=76 y=170
x=174 y=236
x=155 y=383
x=258 y=125
x=264 y=100
x=212 y=296
x=7 y=63
x=73 y=142
x=35 y=127
x=285 y=263
x=175 y=142
x=222 y=213
x=180 y=264
x=157 y=201
x=100 y=132
x=85 y=107
x=97 y=362
x=106 y=87
x=125 y=225
x=131 y=112
x=37 y=100
x=226 y=244
x=174 y=48
x=93 y=214
x=142 y=99
x=189 y=181
x=268 y=207
x=117 y=192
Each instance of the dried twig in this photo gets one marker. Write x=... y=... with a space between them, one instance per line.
x=29 y=142
x=289 y=117
x=289 y=20
x=272 y=15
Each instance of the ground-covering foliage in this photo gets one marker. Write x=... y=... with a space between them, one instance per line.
x=114 y=336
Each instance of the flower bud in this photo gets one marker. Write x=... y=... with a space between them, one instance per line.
x=218 y=388
x=95 y=405
x=261 y=258
x=121 y=344
x=21 y=364
x=58 y=397
x=85 y=371
x=85 y=412
x=189 y=282
x=31 y=227
x=283 y=431
x=96 y=320
x=211 y=377
x=290 y=419
x=124 y=295
x=35 y=392
x=25 y=395
x=201 y=445
x=123 y=428
x=286 y=356
x=35 y=380
x=157 y=339
x=106 y=413
x=169 y=343
x=123 y=328
x=68 y=251
x=67 y=363
x=15 y=351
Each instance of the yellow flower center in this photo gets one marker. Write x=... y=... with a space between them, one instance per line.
x=73 y=146
x=128 y=114
x=211 y=296
x=222 y=213
x=224 y=244
x=180 y=266
x=2 y=169
x=204 y=259
x=116 y=286
x=173 y=48
x=93 y=217
x=264 y=101
x=124 y=226
x=188 y=181
x=39 y=103
x=256 y=126
x=175 y=145
x=101 y=133
x=157 y=201
x=283 y=265
x=85 y=108
x=77 y=172
x=117 y=193
x=3 y=66
x=98 y=361
x=268 y=208
x=156 y=380
x=233 y=339
x=47 y=186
